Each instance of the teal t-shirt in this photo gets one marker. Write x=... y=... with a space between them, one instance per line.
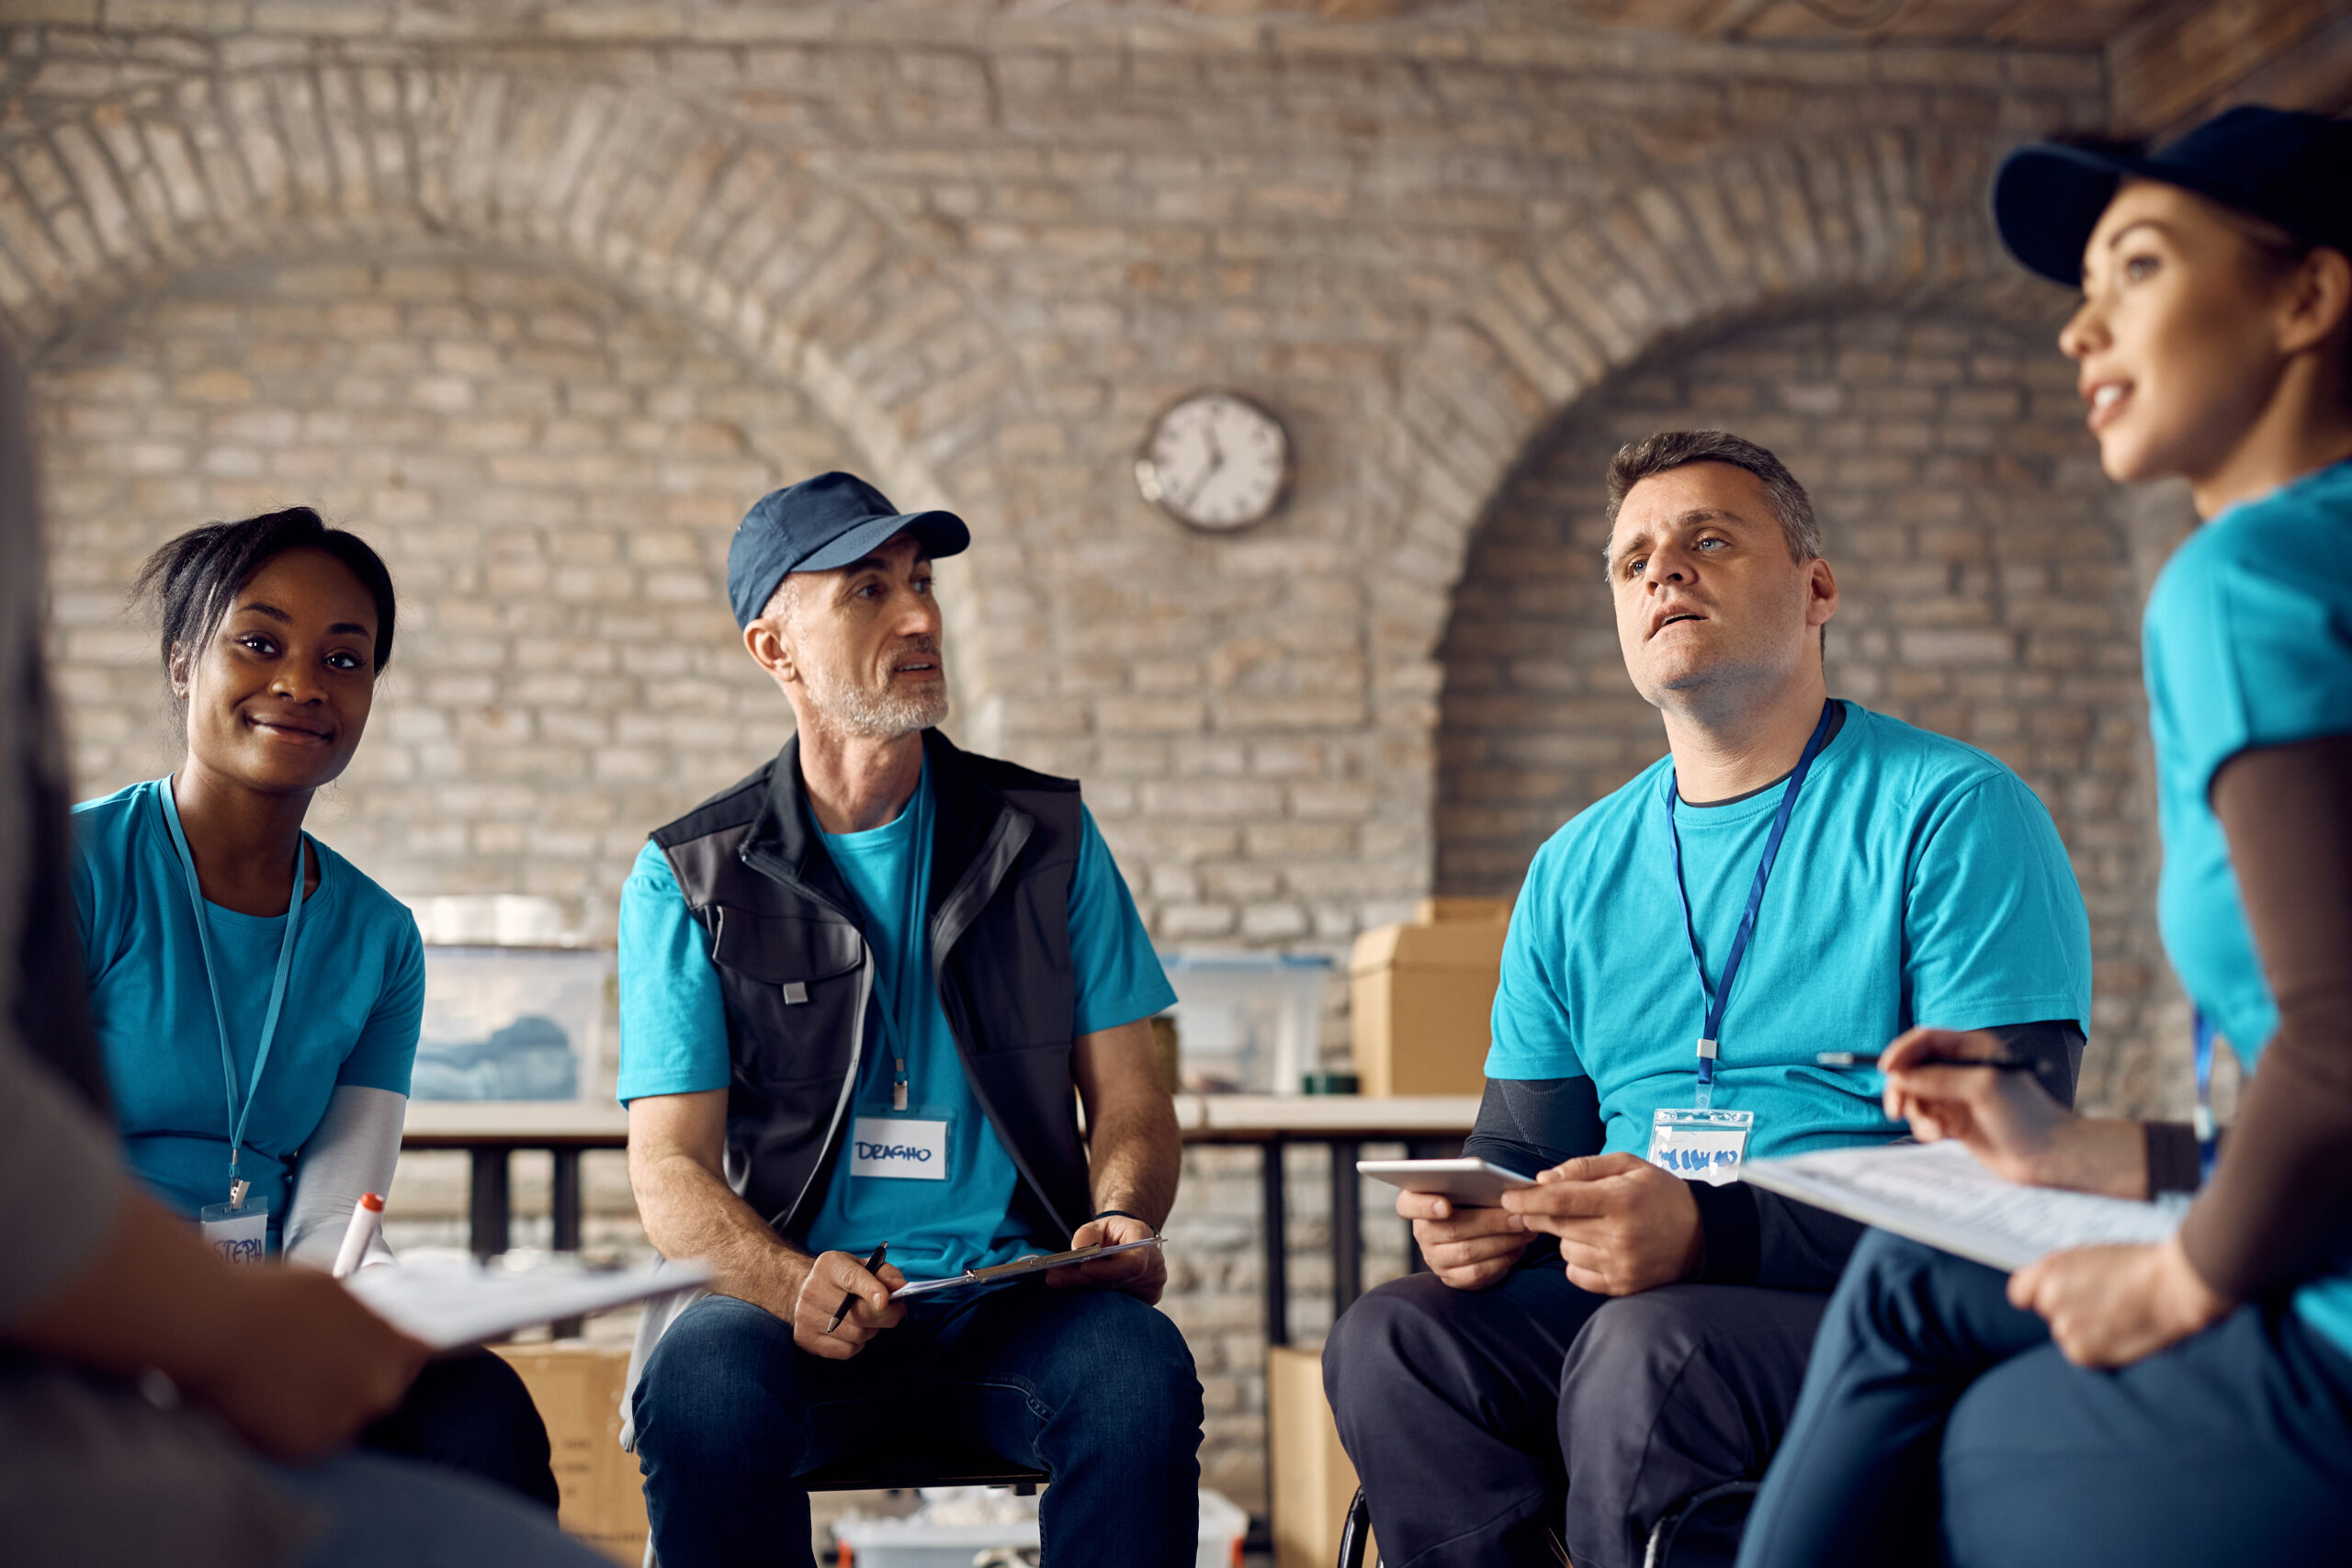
x=673 y=1031
x=1919 y=883
x=355 y=998
x=2247 y=641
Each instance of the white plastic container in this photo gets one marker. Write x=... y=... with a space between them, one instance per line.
x=915 y=1542
x=1247 y=1022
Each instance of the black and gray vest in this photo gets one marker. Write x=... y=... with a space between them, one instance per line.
x=787 y=938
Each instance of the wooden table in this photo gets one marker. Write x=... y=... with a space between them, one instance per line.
x=1427 y=1125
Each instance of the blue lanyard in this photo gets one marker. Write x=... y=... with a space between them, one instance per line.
x=237 y=1115
x=911 y=973
x=1718 y=998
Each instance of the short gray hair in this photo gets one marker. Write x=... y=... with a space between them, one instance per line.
x=1638 y=460
x=784 y=602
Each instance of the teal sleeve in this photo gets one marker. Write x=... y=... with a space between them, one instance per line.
x=1119 y=977
x=1532 y=1037
x=672 y=1018
x=1994 y=927
x=2248 y=643
x=385 y=1054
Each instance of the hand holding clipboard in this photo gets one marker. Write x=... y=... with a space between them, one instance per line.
x=1019 y=1267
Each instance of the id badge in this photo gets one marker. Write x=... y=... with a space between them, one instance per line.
x=238 y=1235
x=1703 y=1145
x=900 y=1146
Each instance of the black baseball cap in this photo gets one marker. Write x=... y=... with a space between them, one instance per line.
x=820 y=525
x=2293 y=169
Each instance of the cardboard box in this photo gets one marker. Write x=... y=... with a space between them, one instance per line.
x=576 y=1387
x=1421 y=998
x=1312 y=1481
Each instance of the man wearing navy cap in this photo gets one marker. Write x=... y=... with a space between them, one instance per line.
x=857 y=991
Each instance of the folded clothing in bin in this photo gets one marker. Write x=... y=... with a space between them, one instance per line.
x=955 y=1523
x=1247 y=1022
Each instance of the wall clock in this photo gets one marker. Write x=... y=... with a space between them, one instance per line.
x=1216 y=461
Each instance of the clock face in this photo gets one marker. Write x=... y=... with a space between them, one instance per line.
x=1216 y=461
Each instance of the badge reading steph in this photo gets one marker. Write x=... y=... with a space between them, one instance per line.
x=240 y=1235
x=905 y=1146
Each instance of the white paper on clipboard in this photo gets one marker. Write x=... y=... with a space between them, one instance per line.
x=1036 y=1264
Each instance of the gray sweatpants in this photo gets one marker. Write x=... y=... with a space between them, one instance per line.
x=1478 y=1420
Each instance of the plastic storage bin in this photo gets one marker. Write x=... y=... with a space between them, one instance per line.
x=1247 y=1022
x=914 y=1543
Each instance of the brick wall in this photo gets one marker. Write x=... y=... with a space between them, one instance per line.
x=1987 y=592
x=551 y=473
x=584 y=279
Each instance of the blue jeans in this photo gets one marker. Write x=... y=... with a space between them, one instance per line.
x=1938 y=1423
x=1094 y=1387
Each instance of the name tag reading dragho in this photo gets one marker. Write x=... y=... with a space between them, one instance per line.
x=1701 y=1146
x=910 y=1147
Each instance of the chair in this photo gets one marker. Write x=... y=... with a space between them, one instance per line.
x=972 y=1467
x=1707 y=1520
x=975 y=1467
x=1355 y=1531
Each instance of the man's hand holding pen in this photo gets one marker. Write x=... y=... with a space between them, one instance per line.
x=819 y=1325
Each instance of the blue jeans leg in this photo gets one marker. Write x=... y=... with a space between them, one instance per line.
x=1908 y=1329
x=2233 y=1446
x=1098 y=1390
x=720 y=1434
x=1094 y=1388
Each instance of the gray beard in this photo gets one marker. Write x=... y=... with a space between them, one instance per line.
x=851 y=709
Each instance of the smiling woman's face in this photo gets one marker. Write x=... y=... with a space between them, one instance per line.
x=278 y=697
x=2176 y=338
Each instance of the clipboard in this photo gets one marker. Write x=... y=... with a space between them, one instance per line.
x=1034 y=1264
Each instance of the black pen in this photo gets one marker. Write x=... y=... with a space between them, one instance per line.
x=873 y=1262
x=1870 y=1059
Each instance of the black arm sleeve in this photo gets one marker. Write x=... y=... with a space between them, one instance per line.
x=1755 y=1238
x=1531 y=1124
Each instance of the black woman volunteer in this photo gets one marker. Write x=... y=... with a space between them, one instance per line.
x=257 y=999
x=2190 y=1402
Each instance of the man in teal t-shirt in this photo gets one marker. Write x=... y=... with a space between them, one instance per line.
x=1798 y=875
x=863 y=994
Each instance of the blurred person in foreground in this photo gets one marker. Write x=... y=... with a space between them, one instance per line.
x=2188 y=1401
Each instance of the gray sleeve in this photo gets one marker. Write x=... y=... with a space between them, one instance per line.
x=1531 y=1124
x=354 y=1150
x=56 y=1158
x=2056 y=1047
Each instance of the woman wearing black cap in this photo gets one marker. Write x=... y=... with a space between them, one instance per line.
x=2189 y=1402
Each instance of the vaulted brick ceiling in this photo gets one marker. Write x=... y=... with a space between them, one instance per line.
x=2061 y=23
x=2170 y=61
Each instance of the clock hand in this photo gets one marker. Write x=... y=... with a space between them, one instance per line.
x=1217 y=461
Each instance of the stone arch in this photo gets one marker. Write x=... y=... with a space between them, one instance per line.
x=1682 y=251
x=687 y=211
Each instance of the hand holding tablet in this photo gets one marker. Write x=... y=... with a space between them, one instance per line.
x=1469 y=1182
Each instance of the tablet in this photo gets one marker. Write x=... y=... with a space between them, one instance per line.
x=1475 y=1183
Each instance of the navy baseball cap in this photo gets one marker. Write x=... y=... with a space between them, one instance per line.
x=817 y=525
x=2293 y=169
